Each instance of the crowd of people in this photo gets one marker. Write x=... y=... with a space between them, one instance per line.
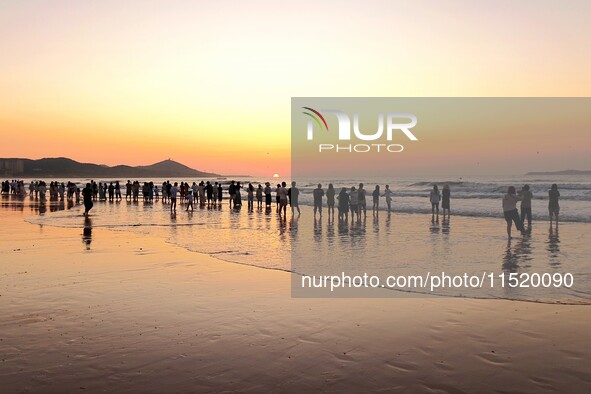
x=347 y=201
x=39 y=189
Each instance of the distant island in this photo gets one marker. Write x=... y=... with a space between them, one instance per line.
x=64 y=167
x=563 y=172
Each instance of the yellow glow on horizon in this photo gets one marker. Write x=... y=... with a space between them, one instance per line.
x=209 y=84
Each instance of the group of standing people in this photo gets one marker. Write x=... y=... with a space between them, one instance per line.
x=16 y=187
x=353 y=200
x=525 y=196
x=443 y=197
x=39 y=189
x=204 y=192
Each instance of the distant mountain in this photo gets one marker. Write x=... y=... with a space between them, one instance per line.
x=64 y=167
x=564 y=172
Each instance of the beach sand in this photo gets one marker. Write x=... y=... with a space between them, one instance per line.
x=137 y=314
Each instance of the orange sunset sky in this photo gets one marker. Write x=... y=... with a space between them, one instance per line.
x=209 y=83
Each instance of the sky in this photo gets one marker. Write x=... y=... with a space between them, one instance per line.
x=209 y=83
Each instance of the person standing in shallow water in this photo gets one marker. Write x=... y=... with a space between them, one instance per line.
x=354 y=203
x=362 y=202
x=268 y=197
x=510 y=211
x=388 y=194
x=526 y=196
x=445 y=197
x=250 y=196
x=434 y=197
x=376 y=199
x=232 y=192
x=294 y=198
x=277 y=197
x=117 y=190
x=259 y=194
x=87 y=194
x=553 y=206
x=318 y=193
x=220 y=191
x=189 y=200
x=173 y=193
x=330 y=194
x=343 y=198
x=282 y=195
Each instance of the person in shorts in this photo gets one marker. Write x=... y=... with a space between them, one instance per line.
x=510 y=211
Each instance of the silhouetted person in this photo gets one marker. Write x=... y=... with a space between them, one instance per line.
x=259 y=193
x=526 y=196
x=173 y=192
x=362 y=202
x=268 y=196
x=237 y=196
x=250 y=196
x=111 y=190
x=220 y=191
x=343 y=204
x=318 y=193
x=282 y=194
x=277 y=197
x=434 y=197
x=510 y=210
x=388 y=194
x=87 y=195
x=232 y=192
x=189 y=199
x=445 y=197
x=117 y=190
x=354 y=203
x=294 y=198
x=209 y=192
x=553 y=206
x=376 y=199
x=330 y=194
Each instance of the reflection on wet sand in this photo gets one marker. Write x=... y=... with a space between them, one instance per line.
x=87 y=232
x=517 y=255
x=445 y=225
x=36 y=205
x=434 y=225
x=553 y=246
x=392 y=244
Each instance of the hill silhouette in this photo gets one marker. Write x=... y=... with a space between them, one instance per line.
x=65 y=167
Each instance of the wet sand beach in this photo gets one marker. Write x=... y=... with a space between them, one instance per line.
x=132 y=313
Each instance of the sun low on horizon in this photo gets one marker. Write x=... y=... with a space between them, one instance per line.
x=210 y=83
